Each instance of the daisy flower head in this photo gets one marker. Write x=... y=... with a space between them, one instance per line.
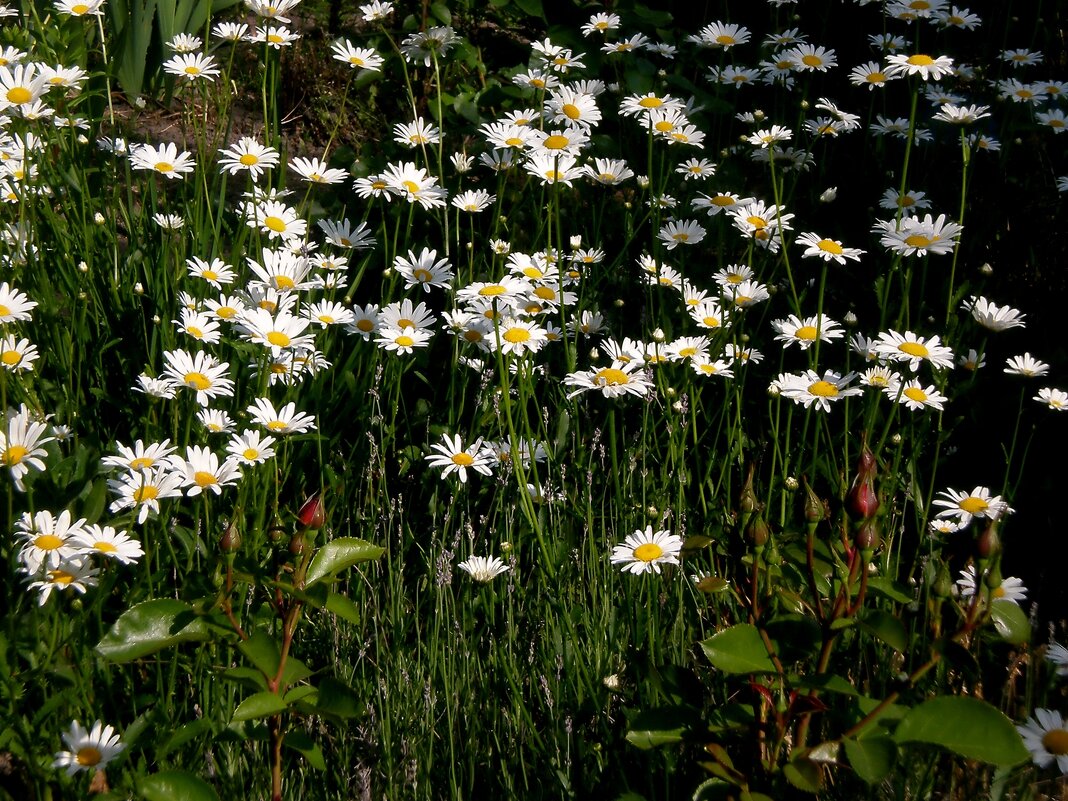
x=872 y=75
x=811 y=58
x=341 y=234
x=746 y=294
x=277 y=220
x=88 y=750
x=483 y=569
x=473 y=200
x=274 y=36
x=21 y=85
x=565 y=106
x=144 y=490
x=185 y=42
x=215 y=421
x=109 y=542
x=1058 y=655
x=230 y=31
x=191 y=66
x=17 y=354
x=425 y=270
x=1021 y=58
x=911 y=348
x=22 y=443
x=913 y=236
x=416 y=133
x=608 y=172
x=316 y=171
x=766 y=137
x=929 y=68
x=325 y=313
x=249 y=155
x=645 y=551
x=1010 y=589
x=963 y=506
x=47 y=540
x=913 y=395
x=402 y=341
x=80 y=8
x=216 y=273
x=201 y=471
x=1055 y=399
x=429 y=45
x=251 y=447
x=1054 y=119
x=809 y=388
x=200 y=372
x=376 y=11
x=455 y=458
x=991 y=316
x=1045 y=735
x=681 y=232
x=638 y=41
x=518 y=337
x=805 y=332
x=708 y=367
x=612 y=382
x=286 y=420
x=601 y=23
x=364 y=59
x=908 y=201
x=414 y=185
x=961 y=115
x=165 y=160
x=1026 y=365
x=827 y=249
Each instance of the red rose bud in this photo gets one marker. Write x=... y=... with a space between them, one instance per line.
x=867 y=537
x=989 y=543
x=230 y=540
x=863 y=501
x=311 y=514
x=757 y=531
x=296 y=544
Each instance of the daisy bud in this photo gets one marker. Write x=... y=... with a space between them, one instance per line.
x=139 y=288
x=506 y=547
x=83 y=266
x=652 y=512
x=791 y=483
x=849 y=319
x=758 y=114
x=312 y=514
x=829 y=194
x=989 y=543
x=804 y=105
x=670 y=392
x=82 y=296
x=98 y=218
x=83 y=139
x=156 y=319
x=896 y=439
x=986 y=269
x=576 y=242
x=679 y=406
x=659 y=335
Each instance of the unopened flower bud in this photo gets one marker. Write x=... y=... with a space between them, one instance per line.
x=747 y=501
x=652 y=512
x=867 y=537
x=139 y=288
x=296 y=544
x=829 y=194
x=989 y=543
x=815 y=509
x=670 y=392
x=83 y=266
x=758 y=532
x=942 y=587
x=986 y=269
x=791 y=483
x=312 y=514
x=659 y=335
x=230 y=540
x=98 y=218
x=275 y=530
x=576 y=241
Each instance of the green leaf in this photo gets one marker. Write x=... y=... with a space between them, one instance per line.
x=828 y=682
x=965 y=726
x=259 y=705
x=738 y=649
x=886 y=627
x=338 y=700
x=176 y=785
x=804 y=774
x=344 y=608
x=338 y=555
x=300 y=741
x=262 y=651
x=871 y=757
x=441 y=13
x=1010 y=621
x=531 y=8
x=659 y=726
x=190 y=731
x=893 y=590
x=152 y=626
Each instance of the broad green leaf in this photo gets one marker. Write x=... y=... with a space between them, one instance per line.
x=338 y=555
x=176 y=785
x=343 y=607
x=262 y=651
x=299 y=694
x=441 y=13
x=181 y=736
x=152 y=626
x=827 y=682
x=1010 y=621
x=532 y=8
x=893 y=590
x=738 y=649
x=965 y=726
x=259 y=705
x=886 y=627
x=300 y=741
x=871 y=757
x=338 y=700
x=659 y=726
x=804 y=774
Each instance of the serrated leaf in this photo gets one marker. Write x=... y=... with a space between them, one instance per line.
x=338 y=555
x=300 y=741
x=804 y=774
x=190 y=731
x=886 y=627
x=1010 y=621
x=176 y=785
x=258 y=705
x=152 y=626
x=871 y=757
x=343 y=607
x=966 y=726
x=262 y=651
x=738 y=649
x=338 y=700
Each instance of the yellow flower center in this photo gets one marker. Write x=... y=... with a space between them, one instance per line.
x=463 y=459
x=556 y=142
x=164 y=167
x=13 y=455
x=811 y=60
x=610 y=377
x=274 y=38
x=197 y=381
x=4 y=310
x=553 y=175
x=251 y=454
x=277 y=425
x=105 y=547
x=276 y=224
x=210 y=275
x=571 y=111
x=492 y=289
x=10 y=358
x=876 y=77
x=141 y=463
x=79 y=9
x=404 y=341
x=710 y=322
x=648 y=552
x=920 y=60
x=248 y=159
x=356 y=61
x=365 y=325
x=823 y=389
x=411 y=186
x=916 y=394
x=664 y=126
x=650 y=102
x=327 y=318
x=19 y=95
x=687 y=352
x=195 y=332
x=516 y=335
x=513 y=141
x=708 y=369
x=545 y=293
x=830 y=246
x=973 y=505
x=722 y=200
x=724 y=39
x=279 y=339
x=149 y=492
x=607 y=177
x=472 y=335
x=914 y=349
x=757 y=222
x=1026 y=94
x=192 y=70
x=806 y=332
x=87 y=756
x=202 y=478
x=226 y=312
x=48 y=542
x=284 y=282
x=1056 y=742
